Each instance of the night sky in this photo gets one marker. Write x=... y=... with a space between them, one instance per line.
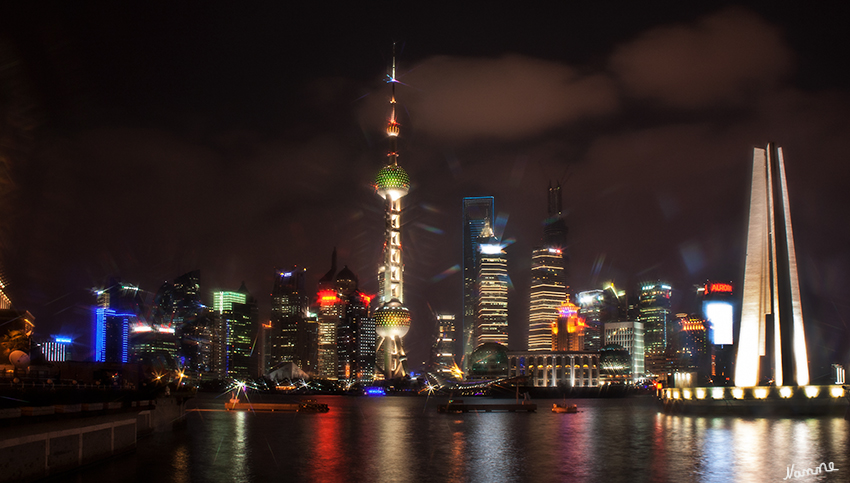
x=149 y=141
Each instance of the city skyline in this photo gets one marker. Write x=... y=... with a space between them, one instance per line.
x=243 y=151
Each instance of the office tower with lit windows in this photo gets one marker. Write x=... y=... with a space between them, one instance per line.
x=307 y=349
x=771 y=310
x=175 y=334
x=118 y=308
x=5 y=303
x=597 y=308
x=289 y=307
x=655 y=312
x=392 y=318
x=238 y=311
x=328 y=312
x=355 y=332
x=492 y=317
x=629 y=335
x=548 y=292
x=692 y=350
x=555 y=227
x=478 y=212
x=443 y=352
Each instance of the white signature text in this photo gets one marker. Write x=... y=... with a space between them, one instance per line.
x=821 y=468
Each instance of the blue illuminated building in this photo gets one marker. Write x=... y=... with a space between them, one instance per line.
x=118 y=307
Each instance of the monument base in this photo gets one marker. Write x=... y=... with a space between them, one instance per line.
x=758 y=401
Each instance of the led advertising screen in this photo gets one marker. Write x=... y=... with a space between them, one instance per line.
x=719 y=315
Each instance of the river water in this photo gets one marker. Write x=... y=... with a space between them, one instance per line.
x=406 y=439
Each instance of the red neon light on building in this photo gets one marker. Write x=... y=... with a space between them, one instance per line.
x=718 y=287
x=327 y=297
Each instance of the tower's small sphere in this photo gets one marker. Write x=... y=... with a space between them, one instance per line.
x=392 y=180
x=392 y=319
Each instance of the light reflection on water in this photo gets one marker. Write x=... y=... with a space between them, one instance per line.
x=406 y=439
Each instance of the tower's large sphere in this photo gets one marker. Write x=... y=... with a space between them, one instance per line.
x=392 y=319
x=19 y=359
x=392 y=180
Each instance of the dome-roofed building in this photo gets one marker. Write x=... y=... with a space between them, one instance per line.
x=615 y=364
x=489 y=361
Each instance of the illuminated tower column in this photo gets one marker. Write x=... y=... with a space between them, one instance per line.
x=392 y=319
x=771 y=314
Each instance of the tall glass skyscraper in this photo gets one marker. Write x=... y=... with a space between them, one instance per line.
x=548 y=292
x=478 y=211
x=655 y=313
x=492 y=317
x=548 y=282
x=289 y=307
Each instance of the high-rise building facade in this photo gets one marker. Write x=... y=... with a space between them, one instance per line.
x=771 y=310
x=445 y=345
x=478 y=212
x=118 y=309
x=492 y=317
x=355 y=332
x=239 y=314
x=392 y=318
x=289 y=306
x=692 y=347
x=597 y=308
x=328 y=312
x=629 y=335
x=548 y=292
x=655 y=312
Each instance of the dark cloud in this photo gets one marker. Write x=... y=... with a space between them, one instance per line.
x=721 y=58
x=510 y=97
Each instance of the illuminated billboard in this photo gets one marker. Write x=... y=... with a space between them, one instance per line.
x=719 y=316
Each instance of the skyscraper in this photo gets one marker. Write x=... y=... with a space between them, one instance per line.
x=328 y=319
x=289 y=306
x=445 y=345
x=555 y=227
x=771 y=312
x=355 y=333
x=392 y=318
x=477 y=212
x=548 y=292
x=599 y=307
x=492 y=317
x=655 y=312
x=239 y=314
x=118 y=308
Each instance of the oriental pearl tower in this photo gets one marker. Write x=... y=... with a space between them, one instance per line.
x=392 y=318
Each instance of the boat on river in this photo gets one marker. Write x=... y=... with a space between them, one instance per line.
x=564 y=408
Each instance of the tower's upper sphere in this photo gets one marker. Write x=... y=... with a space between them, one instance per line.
x=392 y=180
x=392 y=319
